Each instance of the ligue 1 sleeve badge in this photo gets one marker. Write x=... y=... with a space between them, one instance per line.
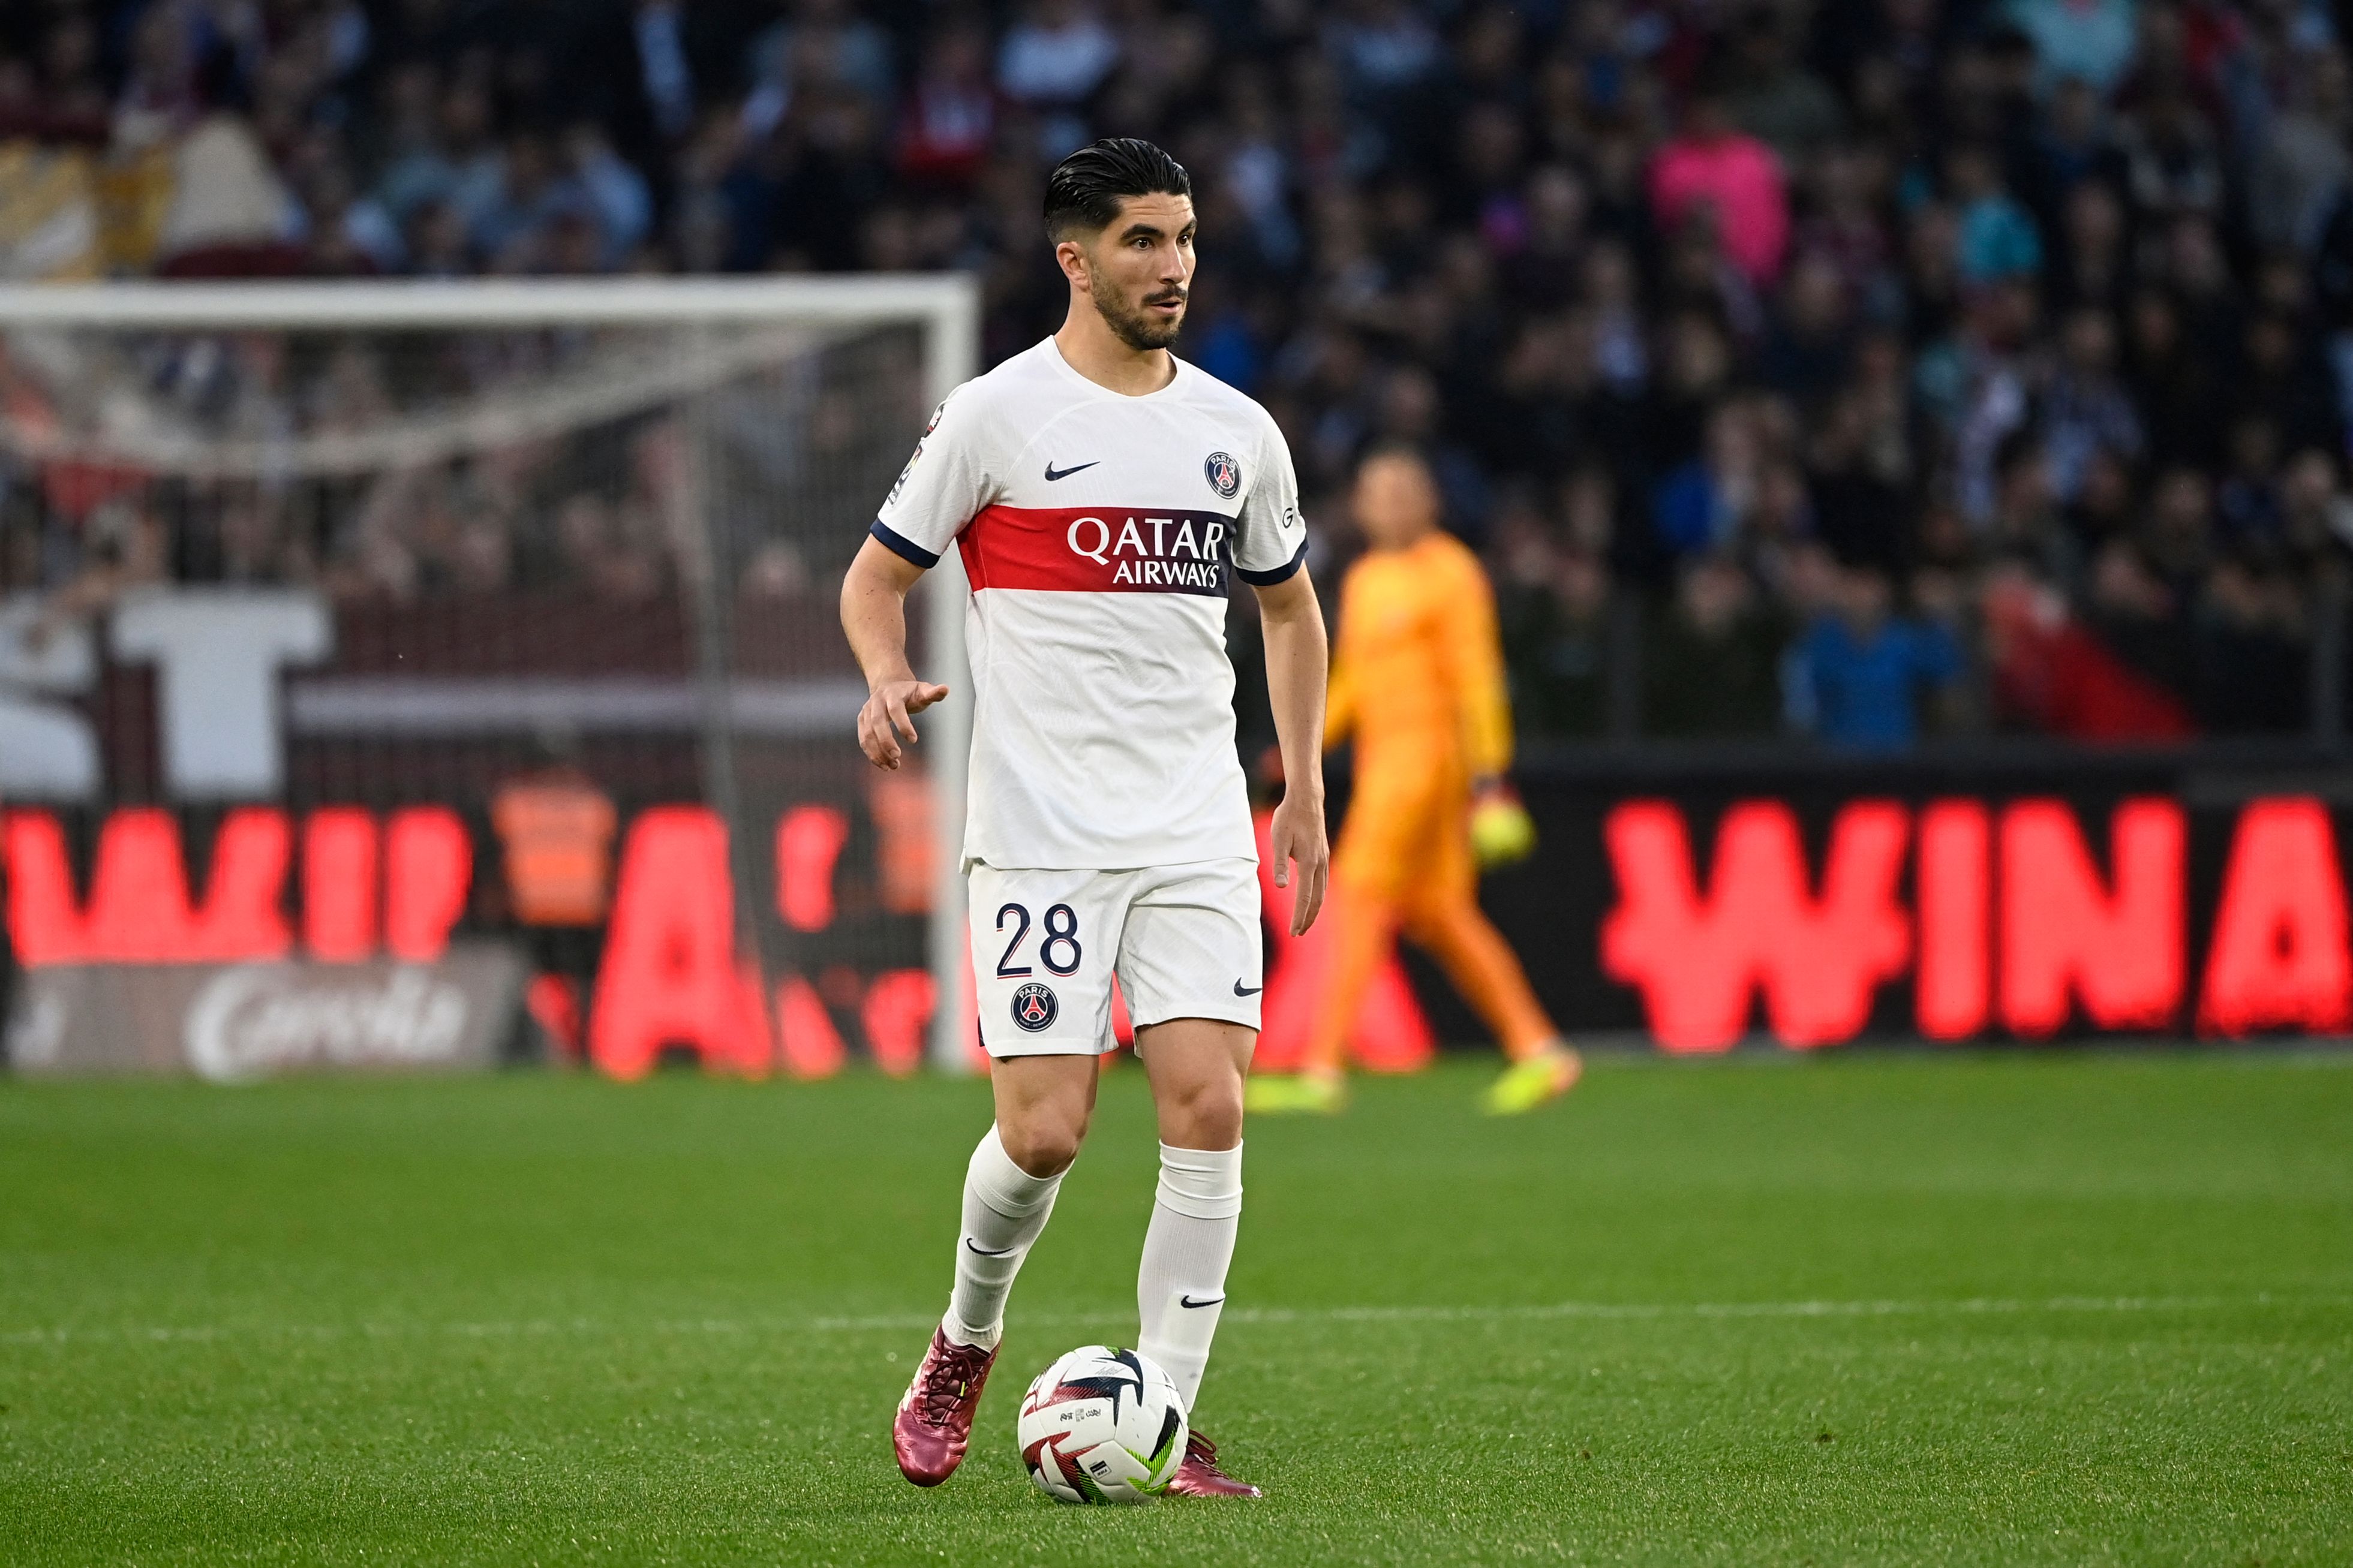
x=1034 y=1007
x=1225 y=475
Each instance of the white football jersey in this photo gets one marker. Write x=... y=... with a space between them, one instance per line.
x=1097 y=530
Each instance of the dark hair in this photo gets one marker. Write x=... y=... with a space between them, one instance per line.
x=1085 y=189
x=1385 y=446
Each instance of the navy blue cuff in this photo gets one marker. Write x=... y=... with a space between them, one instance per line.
x=898 y=544
x=1258 y=579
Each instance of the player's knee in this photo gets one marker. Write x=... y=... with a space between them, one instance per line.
x=1044 y=1144
x=1205 y=1114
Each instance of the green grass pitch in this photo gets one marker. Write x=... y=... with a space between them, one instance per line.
x=1915 y=1308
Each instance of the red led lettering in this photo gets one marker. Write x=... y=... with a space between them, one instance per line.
x=1953 y=985
x=139 y=911
x=242 y=917
x=809 y=842
x=897 y=1010
x=43 y=920
x=429 y=862
x=2278 y=958
x=1392 y=1034
x=553 y=1002
x=2062 y=933
x=1122 y=1027
x=669 y=975
x=1697 y=959
x=968 y=1026
x=338 y=895
x=138 y=908
x=812 y=1046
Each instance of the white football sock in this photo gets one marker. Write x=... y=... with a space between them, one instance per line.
x=1004 y=1210
x=1181 y=1288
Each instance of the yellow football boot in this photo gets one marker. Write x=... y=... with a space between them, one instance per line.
x=1295 y=1094
x=1544 y=1077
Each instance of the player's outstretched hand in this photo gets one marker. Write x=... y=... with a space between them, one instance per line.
x=888 y=719
x=1295 y=838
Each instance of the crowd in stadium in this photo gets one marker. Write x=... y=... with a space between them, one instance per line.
x=1873 y=368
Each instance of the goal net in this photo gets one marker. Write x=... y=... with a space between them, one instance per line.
x=508 y=611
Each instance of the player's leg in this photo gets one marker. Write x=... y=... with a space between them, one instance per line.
x=1191 y=964
x=1043 y=1105
x=1045 y=1016
x=1370 y=869
x=1197 y=1067
x=1364 y=934
x=1445 y=918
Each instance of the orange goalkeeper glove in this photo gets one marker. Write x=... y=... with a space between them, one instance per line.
x=1501 y=830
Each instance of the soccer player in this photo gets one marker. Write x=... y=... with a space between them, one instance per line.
x=1418 y=680
x=1100 y=490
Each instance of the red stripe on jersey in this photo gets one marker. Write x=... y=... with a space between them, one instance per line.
x=1097 y=549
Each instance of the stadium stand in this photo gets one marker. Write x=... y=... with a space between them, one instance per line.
x=1872 y=369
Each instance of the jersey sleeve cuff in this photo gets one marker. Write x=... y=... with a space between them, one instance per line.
x=900 y=544
x=1256 y=579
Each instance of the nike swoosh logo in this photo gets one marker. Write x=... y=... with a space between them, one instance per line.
x=1053 y=474
x=1188 y=1301
x=983 y=1251
x=1242 y=990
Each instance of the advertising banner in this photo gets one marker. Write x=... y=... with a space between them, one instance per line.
x=1697 y=901
x=235 y=1022
x=2021 y=896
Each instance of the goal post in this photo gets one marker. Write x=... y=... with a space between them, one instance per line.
x=599 y=516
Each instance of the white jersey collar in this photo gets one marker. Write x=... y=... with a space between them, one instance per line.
x=1054 y=354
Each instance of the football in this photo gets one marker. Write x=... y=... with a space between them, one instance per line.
x=1103 y=1424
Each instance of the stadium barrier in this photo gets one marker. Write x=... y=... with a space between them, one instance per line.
x=1700 y=900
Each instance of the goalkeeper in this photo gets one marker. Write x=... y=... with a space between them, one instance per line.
x=1417 y=678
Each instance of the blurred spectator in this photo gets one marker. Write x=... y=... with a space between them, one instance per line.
x=1052 y=58
x=2255 y=660
x=2089 y=40
x=1805 y=354
x=1555 y=629
x=1775 y=98
x=950 y=116
x=1699 y=506
x=1997 y=238
x=2050 y=674
x=2303 y=166
x=2084 y=408
x=1861 y=674
x=1728 y=182
x=1710 y=663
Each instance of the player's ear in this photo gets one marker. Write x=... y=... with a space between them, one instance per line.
x=1072 y=255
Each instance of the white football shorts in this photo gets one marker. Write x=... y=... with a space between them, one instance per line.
x=1184 y=940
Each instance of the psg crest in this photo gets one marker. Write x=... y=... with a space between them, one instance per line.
x=1034 y=1007
x=1225 y=475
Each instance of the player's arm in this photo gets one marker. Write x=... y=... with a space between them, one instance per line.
x=1501 y=830
x=874 y=614
x=937 y=493
x=1340 y=695
x=1473 y=653
x=1296 y=658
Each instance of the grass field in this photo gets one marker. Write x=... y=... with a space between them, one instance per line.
x=1914 y=1308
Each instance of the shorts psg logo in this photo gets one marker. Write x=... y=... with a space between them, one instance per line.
x=1034 y=1007
x=1225 y=475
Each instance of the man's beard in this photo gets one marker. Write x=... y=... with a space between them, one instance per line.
x=1138 y=328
